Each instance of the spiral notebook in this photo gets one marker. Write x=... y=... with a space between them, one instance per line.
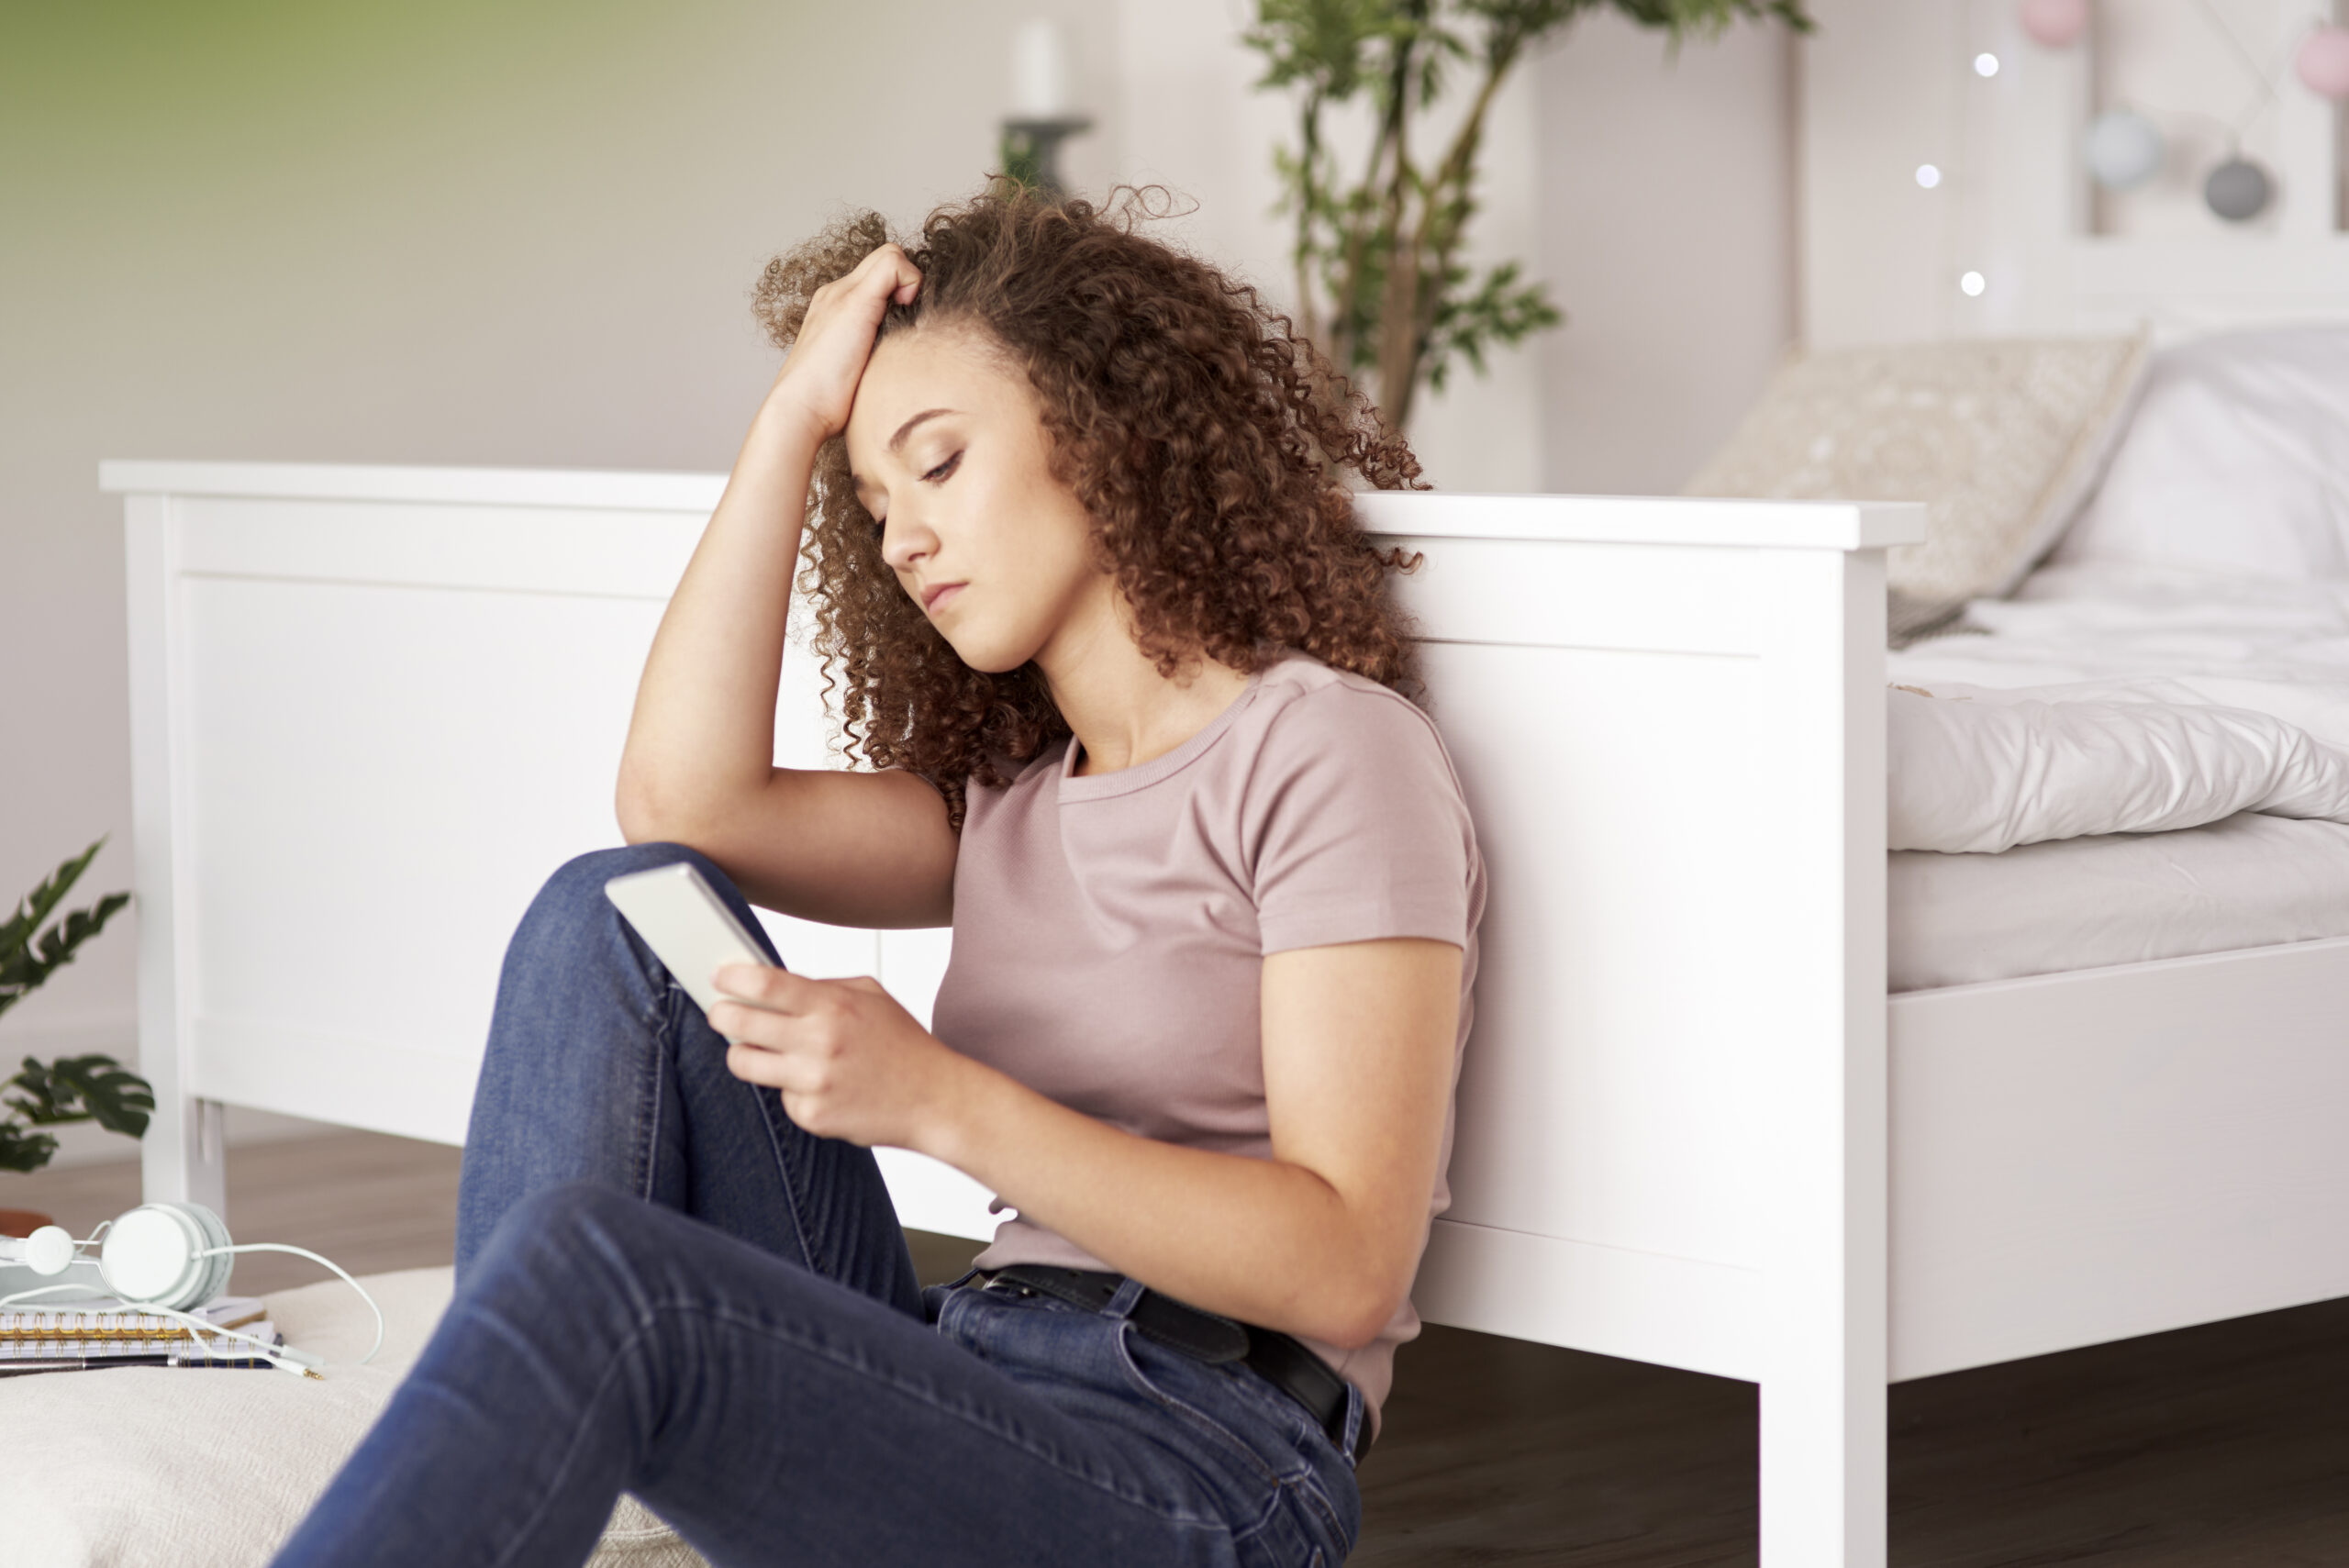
x=105 y=1333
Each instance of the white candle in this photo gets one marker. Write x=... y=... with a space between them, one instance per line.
x=1043 y=74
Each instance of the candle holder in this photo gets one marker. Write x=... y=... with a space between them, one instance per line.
x=1031 y=151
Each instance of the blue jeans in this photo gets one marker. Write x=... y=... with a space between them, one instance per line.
x=665 y=1287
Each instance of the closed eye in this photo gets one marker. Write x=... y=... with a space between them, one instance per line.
x=938 y=475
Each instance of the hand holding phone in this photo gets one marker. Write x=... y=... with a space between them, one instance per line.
x=687 y=925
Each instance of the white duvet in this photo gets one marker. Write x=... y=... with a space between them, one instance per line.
x=2114 y=699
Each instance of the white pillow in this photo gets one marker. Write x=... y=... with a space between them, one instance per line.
x=2237 y=460
x=2001 y=437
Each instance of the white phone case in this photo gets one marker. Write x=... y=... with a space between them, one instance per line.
x=689 y=929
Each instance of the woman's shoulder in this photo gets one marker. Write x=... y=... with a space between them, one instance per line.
x=1307 y=702
x=1352 y=821
x=1322 y=735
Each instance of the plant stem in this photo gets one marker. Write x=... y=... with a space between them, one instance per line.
x=1450 y=204
x=1398 y=348
x=1309 y=214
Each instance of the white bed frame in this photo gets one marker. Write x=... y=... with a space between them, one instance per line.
x=373 y=709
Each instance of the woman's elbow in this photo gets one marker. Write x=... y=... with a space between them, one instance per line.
x=646 y=815
x=1358 y=1314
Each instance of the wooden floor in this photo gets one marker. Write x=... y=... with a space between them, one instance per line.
x=2227 y=1444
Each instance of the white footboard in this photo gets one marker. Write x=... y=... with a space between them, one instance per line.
x=373 y=709
x=1669 y=717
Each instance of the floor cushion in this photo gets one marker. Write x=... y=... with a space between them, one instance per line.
x=152 y=1467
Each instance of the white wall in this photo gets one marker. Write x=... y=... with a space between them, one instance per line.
x=1667 y=226
x=523 y=234
x=1888 y=87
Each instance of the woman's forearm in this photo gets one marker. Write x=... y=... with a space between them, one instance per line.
x=702 y=736
x=1262 y=1240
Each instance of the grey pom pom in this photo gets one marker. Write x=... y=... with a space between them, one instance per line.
x=2238 y=190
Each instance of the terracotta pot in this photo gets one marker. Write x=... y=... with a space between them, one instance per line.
x=21 y=1222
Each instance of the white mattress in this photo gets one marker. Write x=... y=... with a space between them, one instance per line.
x=2251 y=881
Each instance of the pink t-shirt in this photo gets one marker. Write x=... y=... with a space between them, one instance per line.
x=1111 y=931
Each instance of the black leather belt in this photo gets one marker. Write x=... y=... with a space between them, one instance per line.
x=1279 y=1359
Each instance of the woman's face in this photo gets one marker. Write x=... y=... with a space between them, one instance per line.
x=950 y=454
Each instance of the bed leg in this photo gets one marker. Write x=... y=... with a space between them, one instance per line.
x=1822 y=1476
x=185 y=1156
x=1824 y=1368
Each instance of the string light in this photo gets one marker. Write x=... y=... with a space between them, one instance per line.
x=1972 y=285
x=1986 y=64
x=1928 y=176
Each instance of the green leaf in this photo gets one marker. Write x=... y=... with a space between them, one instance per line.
x=83 y=1088
x=26 y=959
x=22 y=1150
x=16 y=932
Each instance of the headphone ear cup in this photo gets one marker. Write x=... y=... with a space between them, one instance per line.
x=151 y=1255
x=213 y=1283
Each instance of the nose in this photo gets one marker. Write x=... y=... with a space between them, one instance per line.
x=906 y=540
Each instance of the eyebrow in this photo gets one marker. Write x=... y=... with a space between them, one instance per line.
x=907 y=428
x=856 y=481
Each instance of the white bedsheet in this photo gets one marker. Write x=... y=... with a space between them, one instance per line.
x=2268 y=645
x=2250 y=881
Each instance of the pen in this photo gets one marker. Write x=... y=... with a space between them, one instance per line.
x=17 y=1366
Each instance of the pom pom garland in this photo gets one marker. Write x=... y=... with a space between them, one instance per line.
x=2323 y=62
x=2238 y=190
x=2054 y=24
x=2123 y=149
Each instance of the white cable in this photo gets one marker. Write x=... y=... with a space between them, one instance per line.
x=276 y=1355
x=42 y=1290
x=305 y=1252
x=213 y=1251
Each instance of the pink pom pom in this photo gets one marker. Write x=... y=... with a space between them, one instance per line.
x=2055 y=23
x=2323 y=62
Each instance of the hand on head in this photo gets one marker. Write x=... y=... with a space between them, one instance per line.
x=828 y=359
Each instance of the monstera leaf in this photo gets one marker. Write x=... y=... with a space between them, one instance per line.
x=73 y=1088
x=28 y=954
x=83 y=1088
x=22 y=1150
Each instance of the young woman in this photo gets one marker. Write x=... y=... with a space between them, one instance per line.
x=1129 y=684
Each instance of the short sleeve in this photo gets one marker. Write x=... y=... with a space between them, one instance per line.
x=1356 y=824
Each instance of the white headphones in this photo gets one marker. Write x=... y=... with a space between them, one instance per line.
x=167 y=1258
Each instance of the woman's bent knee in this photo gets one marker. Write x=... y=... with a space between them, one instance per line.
x=569 y=1235
x=571 y=904
x=582 y=877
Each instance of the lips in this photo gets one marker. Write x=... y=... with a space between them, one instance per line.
x=934 y=597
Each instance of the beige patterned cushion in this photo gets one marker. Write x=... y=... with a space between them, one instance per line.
x=149 y=1467
x=2002 y=438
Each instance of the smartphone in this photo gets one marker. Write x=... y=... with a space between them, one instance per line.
x=687 y=926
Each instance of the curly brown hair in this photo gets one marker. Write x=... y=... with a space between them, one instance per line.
x=1206 y=440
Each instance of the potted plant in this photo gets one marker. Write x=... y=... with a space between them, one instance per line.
x=35 y=943
x=1382 y=287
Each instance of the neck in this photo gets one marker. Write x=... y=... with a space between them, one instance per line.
x=1124 y=713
